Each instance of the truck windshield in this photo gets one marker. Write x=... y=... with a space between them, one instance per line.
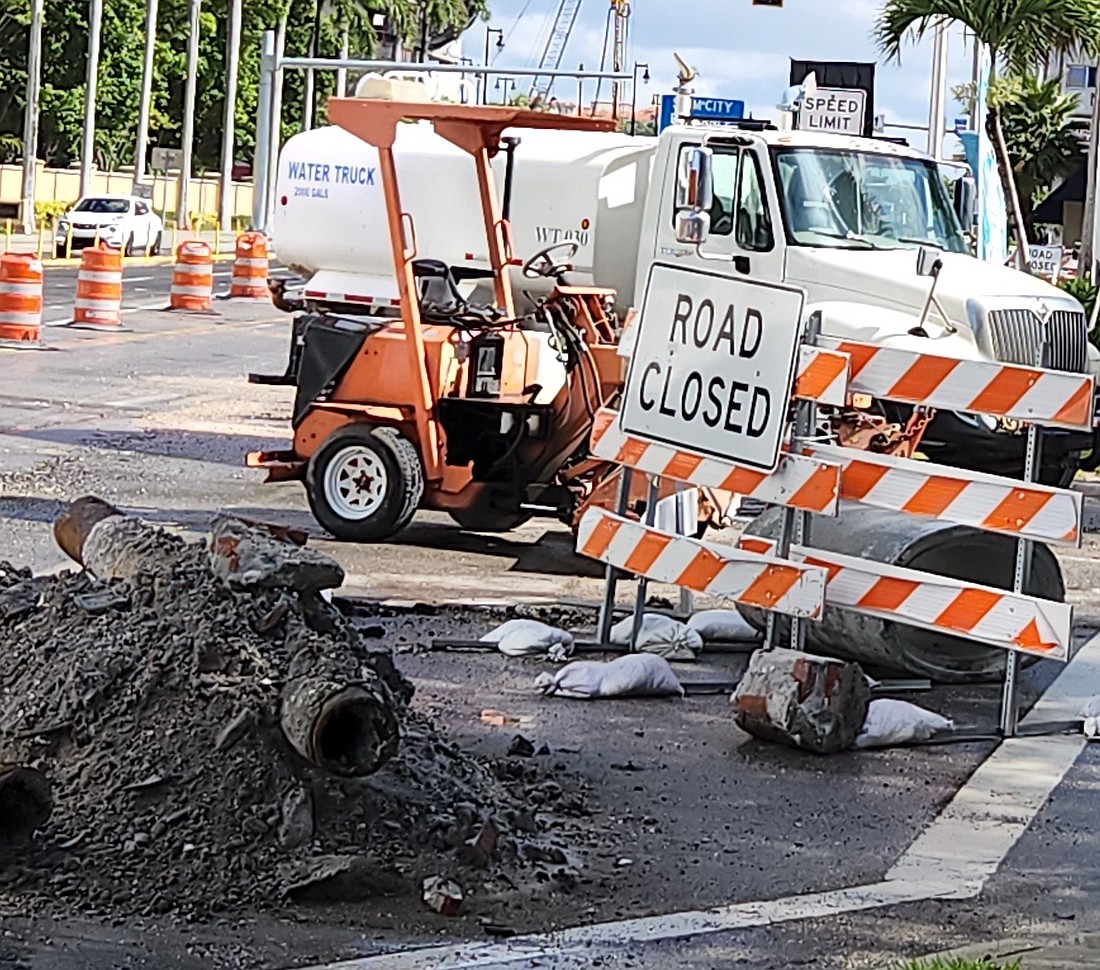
x=859 y=200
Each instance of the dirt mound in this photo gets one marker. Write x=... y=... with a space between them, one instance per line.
x=153 y=708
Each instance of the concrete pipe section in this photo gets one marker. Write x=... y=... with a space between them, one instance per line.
x=929 y=546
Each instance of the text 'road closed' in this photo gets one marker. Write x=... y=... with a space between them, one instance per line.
x=713 y=365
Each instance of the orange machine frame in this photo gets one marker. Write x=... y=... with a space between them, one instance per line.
x=476 y=130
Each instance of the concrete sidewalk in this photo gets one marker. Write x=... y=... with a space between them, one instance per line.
x=221 y=243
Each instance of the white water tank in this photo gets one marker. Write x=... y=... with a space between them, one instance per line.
x=330 y=223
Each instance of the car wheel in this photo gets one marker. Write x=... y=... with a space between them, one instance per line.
x=59 y=252
x=128 y=249
x=154 y=250
x=365 y=484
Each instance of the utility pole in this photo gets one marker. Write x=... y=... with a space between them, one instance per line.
x=141 y=149
x=345 y=53
x=87 y=150
x=232 y=60
x=194 y=8
x=938 y=101
x=263 y=132
x=30 y=117
x=1086 y=263
x=275 y=140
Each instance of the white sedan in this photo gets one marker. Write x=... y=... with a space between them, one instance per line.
x=124 y=221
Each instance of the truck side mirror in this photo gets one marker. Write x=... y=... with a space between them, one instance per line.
x=966 y=197
x=694 y=195
x=929 y=261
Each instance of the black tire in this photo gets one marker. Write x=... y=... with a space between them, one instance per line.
x=59 y=252
x=484 y=518
x=129 y=249
x=401 y=489
x=154 y=250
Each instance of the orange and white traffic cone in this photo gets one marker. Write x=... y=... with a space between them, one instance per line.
x=20 y=300
x=99 y=289
x=193 y=278
x=249 y=280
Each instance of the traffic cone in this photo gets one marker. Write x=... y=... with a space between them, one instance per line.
x=249 y=280
x=21 y=301
x=193 y=278
x=99 y=290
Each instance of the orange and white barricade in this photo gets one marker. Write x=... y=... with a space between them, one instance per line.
x=193 y=277
x=20 y=300
x=250 y=261
x=99 y=289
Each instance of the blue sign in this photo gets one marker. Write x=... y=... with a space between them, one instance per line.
x=961 y=125
x=702 y=109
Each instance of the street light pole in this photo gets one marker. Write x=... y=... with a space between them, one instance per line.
x=232 y=61
x=938 y=101
x=194 y=8
x=30 y=117
x=87 y=150
x=634 y=95
x=500 y=46
x=141 y=149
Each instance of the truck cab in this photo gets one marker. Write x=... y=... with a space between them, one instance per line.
x=845 y=219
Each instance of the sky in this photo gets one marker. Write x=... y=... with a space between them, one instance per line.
x=740 y=51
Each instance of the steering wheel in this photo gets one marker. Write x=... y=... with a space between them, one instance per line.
x=542 y=265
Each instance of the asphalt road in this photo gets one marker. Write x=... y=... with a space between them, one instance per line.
x=158 y=420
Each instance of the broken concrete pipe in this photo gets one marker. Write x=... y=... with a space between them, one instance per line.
x=25 y=801
x=109 y=543
x=347 y=730
x=925 y=545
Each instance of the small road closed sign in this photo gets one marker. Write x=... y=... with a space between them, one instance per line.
x=839 y=110
x=1045 y=261
x=714 y=365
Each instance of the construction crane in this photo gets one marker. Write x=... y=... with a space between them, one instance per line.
x=552 y=53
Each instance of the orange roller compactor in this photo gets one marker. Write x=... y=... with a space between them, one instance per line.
x=429 y=401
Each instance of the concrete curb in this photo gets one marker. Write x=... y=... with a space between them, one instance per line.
x=1032 y=955
x=135 y=261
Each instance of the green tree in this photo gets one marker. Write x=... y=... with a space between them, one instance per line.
x=1041 y=133
x=1020 y=35
x=119 y=87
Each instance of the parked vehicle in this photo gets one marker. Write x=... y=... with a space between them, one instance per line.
x=123 y=221
x=841 y=217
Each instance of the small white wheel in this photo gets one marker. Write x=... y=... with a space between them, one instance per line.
x=365 y=483
x=355 y=482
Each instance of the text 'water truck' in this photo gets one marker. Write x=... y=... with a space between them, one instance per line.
x=841 y=217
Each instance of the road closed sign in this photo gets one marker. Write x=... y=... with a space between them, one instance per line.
x=839 y=110
x=713 y=365
x=1046 y=261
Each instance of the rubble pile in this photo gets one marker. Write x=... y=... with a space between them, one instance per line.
x=217 y=737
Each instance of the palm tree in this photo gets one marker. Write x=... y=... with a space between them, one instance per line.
x=1020 y=34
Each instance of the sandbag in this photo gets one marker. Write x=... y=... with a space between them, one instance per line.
x=723 y=626
x=1091 y=713
x=891 y=722
x=661 y=635
x=529 y=638
x=635 y=675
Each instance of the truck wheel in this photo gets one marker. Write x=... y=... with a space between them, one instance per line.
x=365 y=484
x=483 y=518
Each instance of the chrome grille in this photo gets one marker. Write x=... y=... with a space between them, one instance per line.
x=1017 y=333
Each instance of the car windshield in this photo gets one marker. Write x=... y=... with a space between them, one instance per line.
x=103 y=206
x=858 y=200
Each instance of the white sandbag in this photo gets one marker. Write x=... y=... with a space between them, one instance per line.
x=891 y=722
x=1091 y=713
x=635 y=675
x=661 y=635
x=723 y=626
x=529 y=638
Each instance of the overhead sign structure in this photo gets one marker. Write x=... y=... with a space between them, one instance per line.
x=713 y=366
x=839 y=110
x=1046 y=261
